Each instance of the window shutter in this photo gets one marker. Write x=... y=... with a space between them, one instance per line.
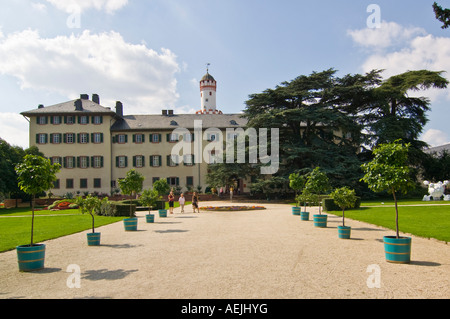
x=159 y=137
x=114 y=139
x=65 y=162
x=126 y=161
x=101 y=119
x=37 y=138
x=101 y=137
x=78 y=137
x=168 y=137
x=151 y=161
x=168 y=160
x=101 y=161
x=143 y=138
x=87 y=161
x=46 y=138
x=160 y=160
x=65 y=138
x=78 y=161
x=134 y=161
x=117 y=161
x=126 y=138
x=134 y=138
x=178 y=181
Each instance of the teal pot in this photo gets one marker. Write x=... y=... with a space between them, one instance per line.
x=162 y=212
x=344 y=232
x=150 y=218
x=304 y=215
x=295 y=210
x=93 y=239
x=320 y=220
x=31 y=258
x=130 y=224
x=397 y=250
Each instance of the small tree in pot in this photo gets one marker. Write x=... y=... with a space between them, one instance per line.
x=131 y=184
x=91 y=204
x=162 y=187
x=296 y=182
x=35 y=175
x=344 y=197
x=389 y=171
x=317 y=183
x=149 y=198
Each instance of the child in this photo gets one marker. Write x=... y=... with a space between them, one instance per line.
x=181 y=200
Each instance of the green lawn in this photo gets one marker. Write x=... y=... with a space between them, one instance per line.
x=423 y=221
x=16 y=231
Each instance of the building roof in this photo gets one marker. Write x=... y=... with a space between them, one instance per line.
x=207 y=77
x=438 y=149
x=87 y=106
x=171 y=122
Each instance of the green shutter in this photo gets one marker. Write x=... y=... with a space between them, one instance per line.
x=78 y=161
x=134 y=138
x=37 y=138
x=126 y=161
x=101 y=161
x=117 y=161
x=134 y=161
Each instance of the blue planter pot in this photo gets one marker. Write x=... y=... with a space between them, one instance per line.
x=344 y=232
x=304 y=215
x=320 y=220
x=295 y=210
x=31 y=258
x=162 y=212
x=150 y=218
x=397 y=250
x=130 y=224
x=93 y=239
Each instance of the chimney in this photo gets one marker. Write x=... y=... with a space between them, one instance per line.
x=164 y=112
x=40 y=106
x=84 y=96
x=95 y=98
x=78 y=105
x=119 y=108
x=170 y=112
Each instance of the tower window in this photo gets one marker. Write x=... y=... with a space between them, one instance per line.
x=210 y=93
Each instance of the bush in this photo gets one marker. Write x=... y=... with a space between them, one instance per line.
x=124 y=210
x=329 y=205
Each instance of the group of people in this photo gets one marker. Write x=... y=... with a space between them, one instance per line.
x=182 y=201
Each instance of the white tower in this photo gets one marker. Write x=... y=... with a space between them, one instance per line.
x=208 y=87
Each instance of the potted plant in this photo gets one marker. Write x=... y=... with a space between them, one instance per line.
x=162 y=187
x=90 y=204
x=35 y=175
x=316 y=184
x=388 y=170
x=296 y=182
x=131 y=184
x=149 y=198
x=344 y=197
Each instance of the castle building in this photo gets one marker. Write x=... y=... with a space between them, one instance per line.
x=97 y=146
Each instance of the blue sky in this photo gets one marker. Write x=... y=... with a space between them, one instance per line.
x=151 y=54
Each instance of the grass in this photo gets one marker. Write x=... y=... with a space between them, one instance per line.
x=423 y=221
x=16 y=230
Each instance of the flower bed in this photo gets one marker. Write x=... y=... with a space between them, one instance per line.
x=231 y=208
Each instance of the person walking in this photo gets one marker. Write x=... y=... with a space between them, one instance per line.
x=195 y=202
x=171 y=201
x=182 y=200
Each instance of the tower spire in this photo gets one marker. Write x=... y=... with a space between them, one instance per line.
x=208 y=86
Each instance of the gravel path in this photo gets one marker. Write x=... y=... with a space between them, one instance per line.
x=227 y=255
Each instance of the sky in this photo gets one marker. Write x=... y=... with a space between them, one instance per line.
x=151 y=54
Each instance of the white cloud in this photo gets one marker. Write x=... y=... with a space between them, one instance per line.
x=435 y=137
x=143 y=79
x=14 y=129
x=39 y=6
x=389 y=34
x=71 y=6
x=397 y=49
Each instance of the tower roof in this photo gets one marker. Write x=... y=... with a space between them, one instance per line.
x=207 y=77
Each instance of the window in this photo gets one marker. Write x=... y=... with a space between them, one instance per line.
x=41 y=138
x=97 y=161
x=56 y=120
x=98 y=119
x=69 y=162
x=155 y=160
x=138 y=138
x=213 y=157
x=97 y=182
x=138 y=161
x=187 y=137
x=212 y=137
x=83 y=119
x=172 y=160
x=83 y=138
x=122 y=139
x=69 y=183
x=83 y=162
x=69 y=119
x=97 y=138
x=56 y=184
x=172 y=137
x=121 y=161
x=42 y=120
x=83 y=183
x=154 y=179
x=189 y=181
x=155 y=138
x=173 y=181
x=188 y=159
x=69 y=138
x=55 y=160
x=55 y=138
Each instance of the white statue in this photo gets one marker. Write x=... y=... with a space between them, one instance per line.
x=436 y=190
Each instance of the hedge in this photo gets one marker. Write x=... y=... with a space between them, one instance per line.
x=329 y=205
